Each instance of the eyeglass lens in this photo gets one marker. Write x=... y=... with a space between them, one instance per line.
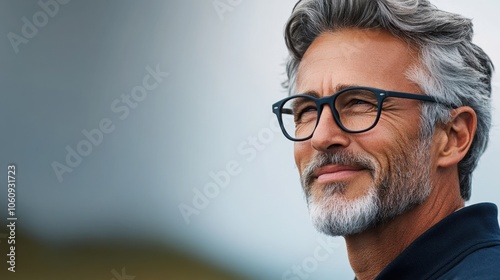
x=357 y=110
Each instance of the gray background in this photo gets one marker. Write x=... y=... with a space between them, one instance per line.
x=224 y=73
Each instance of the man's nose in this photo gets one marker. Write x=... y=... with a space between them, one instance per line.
x=328 y=135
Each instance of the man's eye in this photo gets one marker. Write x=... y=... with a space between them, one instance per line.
x=306 y=114
x=358 y=101
x=361 y=103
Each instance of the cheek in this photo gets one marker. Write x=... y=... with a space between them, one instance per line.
x=382 y=149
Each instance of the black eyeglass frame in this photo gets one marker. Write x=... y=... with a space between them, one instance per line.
x=380 y=94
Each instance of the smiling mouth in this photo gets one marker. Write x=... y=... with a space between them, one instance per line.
x=336 y=173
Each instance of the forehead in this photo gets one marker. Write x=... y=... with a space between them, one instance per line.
x=356 y=57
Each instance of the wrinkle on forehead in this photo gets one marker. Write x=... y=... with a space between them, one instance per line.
x=343 y=56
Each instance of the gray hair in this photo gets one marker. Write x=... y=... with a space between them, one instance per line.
x=452 y=68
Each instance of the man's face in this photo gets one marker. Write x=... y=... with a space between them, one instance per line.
x=354 y=181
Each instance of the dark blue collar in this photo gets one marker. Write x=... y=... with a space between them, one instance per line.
x=445 y=244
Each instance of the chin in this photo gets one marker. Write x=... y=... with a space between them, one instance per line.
x=335 y=215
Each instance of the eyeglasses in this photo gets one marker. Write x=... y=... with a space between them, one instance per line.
x=355 y=110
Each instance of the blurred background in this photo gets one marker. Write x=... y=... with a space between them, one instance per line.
x=145 y=146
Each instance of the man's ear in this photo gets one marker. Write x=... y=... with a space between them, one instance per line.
x=457 y=137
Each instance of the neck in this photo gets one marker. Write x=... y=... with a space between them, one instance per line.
x=372 y=250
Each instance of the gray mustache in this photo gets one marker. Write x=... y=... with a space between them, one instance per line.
x=340 y=158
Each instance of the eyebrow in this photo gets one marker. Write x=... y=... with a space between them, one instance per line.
x=338 y=88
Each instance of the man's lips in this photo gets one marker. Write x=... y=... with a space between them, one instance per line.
x=333 y=173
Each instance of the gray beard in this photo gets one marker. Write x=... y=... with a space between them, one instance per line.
x=403 y=186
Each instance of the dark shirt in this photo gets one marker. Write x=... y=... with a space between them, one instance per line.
x=464 y=245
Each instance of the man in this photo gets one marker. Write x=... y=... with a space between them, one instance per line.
x=389 y=109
